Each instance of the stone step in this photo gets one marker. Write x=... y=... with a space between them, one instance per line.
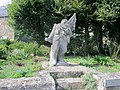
x=68 y=71
x=70 y=84
x=66 y=74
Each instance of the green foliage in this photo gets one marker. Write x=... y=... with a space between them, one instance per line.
x=17 y=50
x=14 y=50
x=31 y=17
x=101 y=60
x=4 y=48
x=16 y=60
x=3 y=63
x=114 y=49
x=108 y=10
x=17 y=55
x=28 y=48
x=3 y=51
x=90 y=82
x=6 y=41
x=17 y=45
x=43 y=51
x=13 y=71
x=91 y=63
x=19 y=73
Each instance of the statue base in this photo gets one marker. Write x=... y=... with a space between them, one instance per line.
x=62 y=63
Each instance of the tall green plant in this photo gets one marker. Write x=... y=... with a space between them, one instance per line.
x=114 y=48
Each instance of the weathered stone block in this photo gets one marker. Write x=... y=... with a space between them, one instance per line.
x=33 y=83
x=109 y=81
x=112 y=83
x=113 y=88
x=68 y=71
x=70 y=84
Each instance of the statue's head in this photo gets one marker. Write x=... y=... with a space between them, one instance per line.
x=64 y=21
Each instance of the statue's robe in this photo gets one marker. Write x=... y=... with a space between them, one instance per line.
x=59 y=37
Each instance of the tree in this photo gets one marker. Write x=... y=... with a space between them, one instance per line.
x=107 y=12
x=31 y=17
x=100 y=17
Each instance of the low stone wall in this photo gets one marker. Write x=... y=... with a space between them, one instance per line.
x=33 y=83
x=52 y=78
x=110 y=81
x=62 y=78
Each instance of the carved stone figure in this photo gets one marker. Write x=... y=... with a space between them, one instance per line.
x=60 y=37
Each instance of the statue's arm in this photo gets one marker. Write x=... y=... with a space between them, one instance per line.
x=69 y=32
x=50 y=38
x=69 y=35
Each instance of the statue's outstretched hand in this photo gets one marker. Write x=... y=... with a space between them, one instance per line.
x=48 y=40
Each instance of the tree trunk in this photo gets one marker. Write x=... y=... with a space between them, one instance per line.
x=86 y=43
x=100 y=42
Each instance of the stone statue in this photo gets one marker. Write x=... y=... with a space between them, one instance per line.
x=60 y=37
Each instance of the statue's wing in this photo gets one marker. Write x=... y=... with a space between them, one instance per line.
x=72 y=21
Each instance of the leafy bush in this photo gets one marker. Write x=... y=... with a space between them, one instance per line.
x=4 y=48
x=3 y=51
x=16 y=55
x=17 y=45
x=114 y=49
x=17 y=50
x=101 y=60
x=43 y=51
x=6 y=41
x=3 y=62
x=28 y=48
x=19 y=62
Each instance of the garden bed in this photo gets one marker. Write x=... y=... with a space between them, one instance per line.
x=108 y=64
x=27 y=68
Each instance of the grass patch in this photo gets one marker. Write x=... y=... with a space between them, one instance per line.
x=27 y=69
x=109 y=66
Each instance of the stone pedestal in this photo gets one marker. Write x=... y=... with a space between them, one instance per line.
x=67 y=77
